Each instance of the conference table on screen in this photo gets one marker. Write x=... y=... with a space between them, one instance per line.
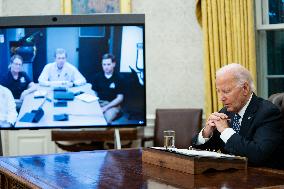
x=121 y=169
x=80 y=113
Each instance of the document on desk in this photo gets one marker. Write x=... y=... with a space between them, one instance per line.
x=193 y=152
x=87 y=97
x=40 y=94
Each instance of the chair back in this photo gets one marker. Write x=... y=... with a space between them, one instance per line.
x=278 y=100
x=185 y=122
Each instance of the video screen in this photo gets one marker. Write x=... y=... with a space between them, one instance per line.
x=72 y=76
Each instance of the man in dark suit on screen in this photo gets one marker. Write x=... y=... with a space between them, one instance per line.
x=247 y=125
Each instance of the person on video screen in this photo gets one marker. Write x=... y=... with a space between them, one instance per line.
x=8 y=113
x=17 y=80
x=108 y=86
x=61 y=72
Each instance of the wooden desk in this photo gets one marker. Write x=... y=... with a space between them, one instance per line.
x=120 y=169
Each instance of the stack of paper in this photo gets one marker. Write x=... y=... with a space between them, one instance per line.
x=193 y=152
x=87 y=97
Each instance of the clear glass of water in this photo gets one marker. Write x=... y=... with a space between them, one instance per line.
x=169 y=139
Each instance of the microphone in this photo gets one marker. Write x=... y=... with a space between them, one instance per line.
x=44 y=100
x=38 y=114
x=35 y=115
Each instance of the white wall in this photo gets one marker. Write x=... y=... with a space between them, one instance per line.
x=66 y=38
x=1 y=7
x=174 y=64
x=29 y=7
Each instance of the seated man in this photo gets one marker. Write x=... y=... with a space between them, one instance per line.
x=8 y=113
x=61 y=72
x=108 y=86
x=247 y=126
x=17 y=81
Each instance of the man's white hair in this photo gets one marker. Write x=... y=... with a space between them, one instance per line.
x=60 y=51
x=240 y=73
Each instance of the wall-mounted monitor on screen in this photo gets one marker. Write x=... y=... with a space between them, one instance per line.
x=72 y=71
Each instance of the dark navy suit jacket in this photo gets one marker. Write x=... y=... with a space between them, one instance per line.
x=261 y=137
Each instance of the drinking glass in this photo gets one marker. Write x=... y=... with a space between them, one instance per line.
x=169 y=139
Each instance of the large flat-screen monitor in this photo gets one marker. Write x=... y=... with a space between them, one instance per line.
x=72 y=71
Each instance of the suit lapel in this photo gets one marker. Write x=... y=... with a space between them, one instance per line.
x=249 y=116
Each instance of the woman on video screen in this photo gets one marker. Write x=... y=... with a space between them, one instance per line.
x=17 y=80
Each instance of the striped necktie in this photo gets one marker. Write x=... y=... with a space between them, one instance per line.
x=236 y=123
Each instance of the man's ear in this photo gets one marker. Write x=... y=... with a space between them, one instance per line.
x=246 y=88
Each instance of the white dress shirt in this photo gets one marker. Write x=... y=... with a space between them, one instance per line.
x=228 y=132
x=51 y=75
x=8 y=106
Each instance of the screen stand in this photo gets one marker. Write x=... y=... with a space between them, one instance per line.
x=117 y=143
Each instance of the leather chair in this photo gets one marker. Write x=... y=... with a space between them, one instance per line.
x=278 y=100
x=185 y=122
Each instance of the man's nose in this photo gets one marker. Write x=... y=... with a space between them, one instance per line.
x=222 y=97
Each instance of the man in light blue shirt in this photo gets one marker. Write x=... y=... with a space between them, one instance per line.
x=61 y=72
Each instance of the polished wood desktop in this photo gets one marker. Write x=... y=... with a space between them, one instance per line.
x=80 y=113
x=121 y=169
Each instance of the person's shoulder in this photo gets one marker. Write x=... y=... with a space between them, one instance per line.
x=6 y=77
x=118 y=75
x=5 y=89
x=49 y=67
x=265 y=102
x=2 y=88
x=98 y=76
x=50 y=64
x=23 y=74
x=69 y=65
x=266 y=105
x=267 y=112
x=7 y=74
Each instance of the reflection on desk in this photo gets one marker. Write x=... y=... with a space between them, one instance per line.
x=80 y=113
x=120 y=169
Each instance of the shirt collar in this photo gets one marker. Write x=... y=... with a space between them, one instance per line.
x=243 y=110
x=108 y=76
x=57 y=69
